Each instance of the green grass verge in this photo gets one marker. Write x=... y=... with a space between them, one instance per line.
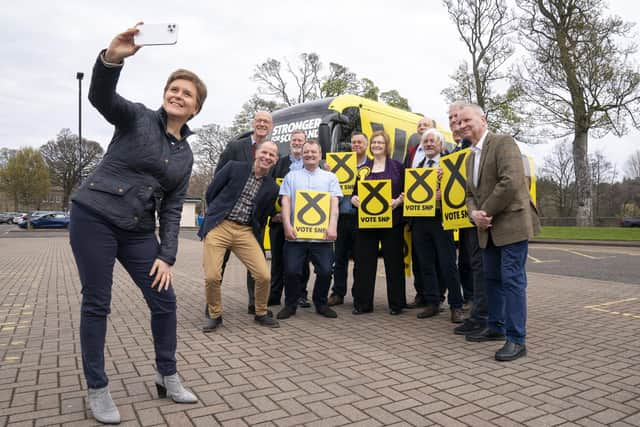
x=590 y=233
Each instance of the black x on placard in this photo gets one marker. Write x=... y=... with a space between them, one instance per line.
x=455 y=176
x=421 y=182
x=374 y=193
x=341 y=163
x=312 y=203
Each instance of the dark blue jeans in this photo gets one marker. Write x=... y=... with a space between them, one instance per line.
x=506 y=280
x=276 y=237
x=296 y=256
x=96 y=245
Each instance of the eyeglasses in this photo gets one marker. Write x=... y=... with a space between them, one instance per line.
x=377 y=142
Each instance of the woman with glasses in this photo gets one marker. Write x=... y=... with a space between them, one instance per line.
x=381 y=166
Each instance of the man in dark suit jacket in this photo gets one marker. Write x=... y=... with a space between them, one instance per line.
x=240 y=198
x=242 y=149
x=499 y=204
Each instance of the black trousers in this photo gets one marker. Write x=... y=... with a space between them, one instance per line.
x=278 y=278
x=436 y=254
x=471 y=252
x=347 y=225
x=366 y=262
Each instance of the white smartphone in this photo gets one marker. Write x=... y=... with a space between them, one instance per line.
x=156 y=34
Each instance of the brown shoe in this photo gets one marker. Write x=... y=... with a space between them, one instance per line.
x=429 y=311
x=456 y=315
x=335 y=300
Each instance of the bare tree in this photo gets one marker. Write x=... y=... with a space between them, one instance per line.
x=274 y=81
x=579 y=78
x=485 y=27
x=558 y=168
x=633 y=165
x=67 y=166
x=212 y=139
x=603 y=172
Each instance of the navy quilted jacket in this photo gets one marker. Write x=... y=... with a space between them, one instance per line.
x=145 y=170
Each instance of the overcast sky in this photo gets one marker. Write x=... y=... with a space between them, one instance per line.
x=406 y=45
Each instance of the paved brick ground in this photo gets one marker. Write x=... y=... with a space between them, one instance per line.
x=583 y=366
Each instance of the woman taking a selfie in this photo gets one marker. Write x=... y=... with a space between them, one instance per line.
x=145 y=170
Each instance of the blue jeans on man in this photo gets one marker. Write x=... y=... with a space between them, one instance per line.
x=296 y=254
x=506 y=281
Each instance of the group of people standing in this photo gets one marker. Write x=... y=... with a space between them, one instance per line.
x=146 y=171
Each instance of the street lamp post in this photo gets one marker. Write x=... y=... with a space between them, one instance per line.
x=79 y=76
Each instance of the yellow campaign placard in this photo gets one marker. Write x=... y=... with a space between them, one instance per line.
x=420 y=185
x=453 y=190
x=278 y=206
x=375 y=204
x=344 y=165
x=407 y=249
x=311 y=214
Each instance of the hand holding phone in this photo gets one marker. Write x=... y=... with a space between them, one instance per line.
x=156 y=34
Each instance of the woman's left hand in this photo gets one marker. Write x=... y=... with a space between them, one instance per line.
x=163 y=274
x=397 y=202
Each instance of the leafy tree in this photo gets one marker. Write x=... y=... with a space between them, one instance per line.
x=393 y=98
x=579 y=78
x=368 y=89
x=25 y=178
x=339 y=81
x=485 y=27
x=67 y=165
x=633 y=165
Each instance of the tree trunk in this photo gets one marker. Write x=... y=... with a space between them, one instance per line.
x=584 y=216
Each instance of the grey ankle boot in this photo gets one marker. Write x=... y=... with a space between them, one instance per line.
x=171 y=387
x=102 y=406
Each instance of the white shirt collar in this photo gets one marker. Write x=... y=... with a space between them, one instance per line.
x=478 y=146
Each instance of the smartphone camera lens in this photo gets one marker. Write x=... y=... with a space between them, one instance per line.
x=171 y=28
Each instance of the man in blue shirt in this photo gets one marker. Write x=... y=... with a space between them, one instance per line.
x=296 y=251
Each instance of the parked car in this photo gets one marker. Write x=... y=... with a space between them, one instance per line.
x=6 y=218
x=48 y=220
x=630 y=221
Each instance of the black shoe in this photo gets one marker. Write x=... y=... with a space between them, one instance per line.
x=206 y=312
x=252 y=310
x=326 y=312
x=395 y=312
x=286 y=312
x=358 y=311
x=303 y=302
x=417 y=303
x=429 y=311
x=211 y=325
x=511 y=351
x=267 y=321
x=485 y=334
x=468 y=327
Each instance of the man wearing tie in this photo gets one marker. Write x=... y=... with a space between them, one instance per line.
x=500 y=206
x=434 y=247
